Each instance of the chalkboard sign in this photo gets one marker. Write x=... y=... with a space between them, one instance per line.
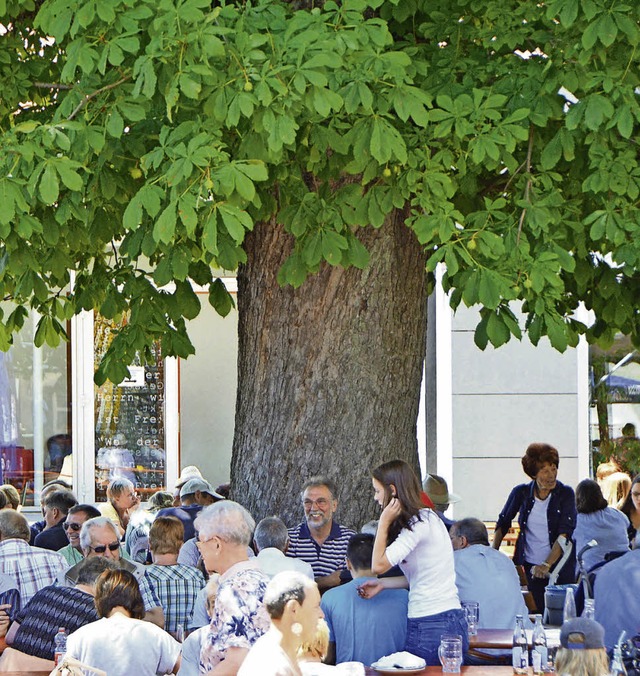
x=129 y=421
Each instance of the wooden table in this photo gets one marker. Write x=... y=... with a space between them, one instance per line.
x=502 y=639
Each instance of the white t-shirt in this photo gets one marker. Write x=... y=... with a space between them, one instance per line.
x=272 y=561
x=267 y=658
x=537 y=545
x=425 y=556
x=122 y=646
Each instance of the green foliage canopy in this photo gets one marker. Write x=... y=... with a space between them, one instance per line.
x=140 y=140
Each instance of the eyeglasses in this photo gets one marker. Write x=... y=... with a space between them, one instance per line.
x=71 y=526
x=101 y=549
x=320 y=502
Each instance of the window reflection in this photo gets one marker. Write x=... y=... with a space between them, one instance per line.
x=129 y=419
x=35 y=421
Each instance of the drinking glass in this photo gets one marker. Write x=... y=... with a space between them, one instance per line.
x=472 y=613
x=450 y=653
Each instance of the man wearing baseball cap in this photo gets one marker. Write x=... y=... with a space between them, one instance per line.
x=189 y=472
x=195 y=494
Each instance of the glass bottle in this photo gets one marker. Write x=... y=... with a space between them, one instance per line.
x=520 y=652
x=539 y=654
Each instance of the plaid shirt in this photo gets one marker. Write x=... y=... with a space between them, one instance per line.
x=31 y=567
x=177 y=587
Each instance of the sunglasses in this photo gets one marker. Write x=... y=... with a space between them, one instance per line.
x=101 y=549
x=71 y=526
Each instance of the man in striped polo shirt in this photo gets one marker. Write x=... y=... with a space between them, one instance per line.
x=318 y=539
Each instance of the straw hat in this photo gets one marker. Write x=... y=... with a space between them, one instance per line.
x=188 y=472
x=436 y=488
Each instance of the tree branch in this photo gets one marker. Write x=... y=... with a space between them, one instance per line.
x=88 y=97
x=527 y=188
x=52 y=85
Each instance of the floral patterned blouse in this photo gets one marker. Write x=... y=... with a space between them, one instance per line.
x=239 y=617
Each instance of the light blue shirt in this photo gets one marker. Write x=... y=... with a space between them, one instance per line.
x=364 y=630
x=190 y=664
x=617 y=596
x=489 y=577
x=609 y=527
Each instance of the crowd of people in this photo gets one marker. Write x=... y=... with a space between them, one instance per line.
x=192 y=585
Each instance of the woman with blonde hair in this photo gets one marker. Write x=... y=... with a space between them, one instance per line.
x=293 y=603
x=12 y=496
x=615 y=488
x=122 y=501
x=582 y=651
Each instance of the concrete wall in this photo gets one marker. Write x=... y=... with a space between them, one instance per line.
x=208 y=393
x=501 y=400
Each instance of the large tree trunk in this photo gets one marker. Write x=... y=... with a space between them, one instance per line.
x=328 y=374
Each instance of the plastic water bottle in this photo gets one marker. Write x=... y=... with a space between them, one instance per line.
x=589 y=609
x=520 y=653
x=569 y=605
x=539 y=653
x=60 y=642
x=617 y=665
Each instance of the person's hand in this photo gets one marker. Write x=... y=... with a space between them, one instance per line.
x=369 y=588
x=540 y=571
x=391 y=512
x=4 y=618
x=328 y=581
x=135 y=504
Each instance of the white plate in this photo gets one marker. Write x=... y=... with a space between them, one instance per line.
x=396 y=670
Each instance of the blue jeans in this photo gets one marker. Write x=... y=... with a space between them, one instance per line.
x=423 y=633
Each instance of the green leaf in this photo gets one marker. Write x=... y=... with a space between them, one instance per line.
x=165 y=226
x=357 y=253
x=332 y=246
x=190 y=87
x=220 y=299
x=380 y=145
x=210 y=233
x=551 y=153
x=236 y=222
x=187 y=299
x=497 y=331
x=69 y=176
x=489 y=289
x=607 y=30
x=49 y=186
x=598 y=109
x=115 y=124
x=569 y=12
x=590 y=35
x=151 y=198
x=625 y=122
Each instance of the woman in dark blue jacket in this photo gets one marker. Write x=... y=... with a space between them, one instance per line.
x=547 y=510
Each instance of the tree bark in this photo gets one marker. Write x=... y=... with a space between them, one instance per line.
x=329 y=374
